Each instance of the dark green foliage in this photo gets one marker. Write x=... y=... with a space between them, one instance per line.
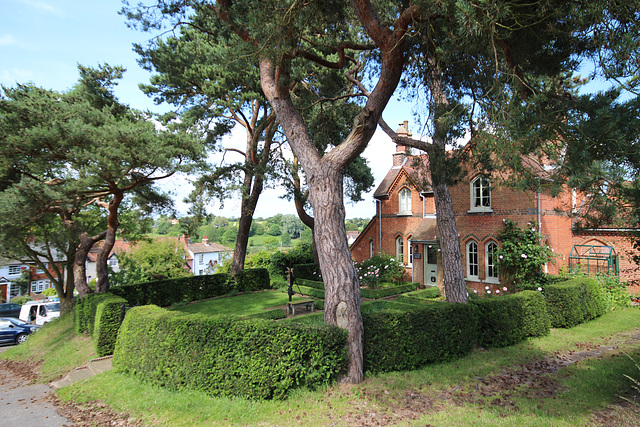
x=107 y=323
x=306 y=271
x=379 y=305
x=193 y=288
x=301 y=253
x=85 y=312
x=318 y=304
x=312 y=292
x=254 y=279
x=255 y=359
x=310 y=283
x=396 y=340
x=537 y=322
x=387 y=292
x=274 y=314
x=420 y=297
x=574 y=301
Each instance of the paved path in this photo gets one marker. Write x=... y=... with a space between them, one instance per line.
x=23 y=404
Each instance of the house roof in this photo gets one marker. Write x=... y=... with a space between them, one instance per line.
x=416 y=168
x=427 y=231
x=200 y=248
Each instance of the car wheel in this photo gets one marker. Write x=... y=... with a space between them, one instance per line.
x=21 y=338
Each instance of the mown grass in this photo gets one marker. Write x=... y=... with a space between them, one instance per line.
x=445 y=394
x=239 y=305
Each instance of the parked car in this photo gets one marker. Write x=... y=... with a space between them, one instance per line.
x=10 y=310
x=39 y=312
x=15 y=331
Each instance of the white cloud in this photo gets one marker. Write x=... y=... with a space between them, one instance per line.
x=13 y=75
x=42 y=6
x=7 y=40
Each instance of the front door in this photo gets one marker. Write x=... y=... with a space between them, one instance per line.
x=430 y=266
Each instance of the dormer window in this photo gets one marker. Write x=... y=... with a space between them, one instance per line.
x=480 y=195
x=404 y=202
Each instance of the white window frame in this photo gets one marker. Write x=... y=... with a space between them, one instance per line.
x=200 y=258
x=480 y=194
x=410 y=243
x=372 y=248
x=400 y=248
x=472 y=255
x=15 y=270
x=492 y=273
x=404 y=201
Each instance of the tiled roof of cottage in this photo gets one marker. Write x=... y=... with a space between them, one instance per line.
x=416 y=168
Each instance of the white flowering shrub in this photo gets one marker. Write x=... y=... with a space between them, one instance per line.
x=523 y=255
x=380 y=269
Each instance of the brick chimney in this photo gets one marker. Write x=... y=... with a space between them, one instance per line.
x=205 y=240
x=402 y=152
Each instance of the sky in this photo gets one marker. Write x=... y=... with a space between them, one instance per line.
x=43 y=41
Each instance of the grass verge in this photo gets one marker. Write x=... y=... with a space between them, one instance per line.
x=527 y=384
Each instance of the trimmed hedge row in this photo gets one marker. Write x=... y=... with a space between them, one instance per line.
x=256 y=359
x=312 y=292
x=573 y=302
x=85 y=312
x=387 y=292
x=107 y=324
x=509 y=319
x=306 y=271
x=310 y=283
x=396 y=340
x=168 y=292
x=420 y=297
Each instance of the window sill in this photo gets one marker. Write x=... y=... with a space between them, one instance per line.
x=472 y=279
x=492 y=281
x=404 y=214
x=480 y=210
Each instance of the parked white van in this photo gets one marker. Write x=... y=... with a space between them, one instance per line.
x=39 y=312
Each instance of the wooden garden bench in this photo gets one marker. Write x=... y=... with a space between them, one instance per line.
x=291 y=306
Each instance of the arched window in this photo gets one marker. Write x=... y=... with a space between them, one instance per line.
x=404 y=202
x=491 y=262
x=480 y=194
x=472 y=260
x=400 y=248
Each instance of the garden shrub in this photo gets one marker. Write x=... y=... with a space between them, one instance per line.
x=500 y=321
x=614 y=292
x=387 y=292
x=312 y=292
x=300 y=254
x=306 y=271
x=574 y=301
x=223 y=356
x=379 y=269
x=310 y=283
x=396 y=340
x=85 y=312
x=107 y=323
x=254 y=279
x=537 y=322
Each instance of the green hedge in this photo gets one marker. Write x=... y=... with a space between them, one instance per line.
x=171 y=291
x=309 y=283
x=573 y=302
x=537 y=322
x=306 y=271
x=252 y=279
x=396 y=340
x=312 y=292
x=256 y=359
x=107 y=323
x=387 y=292
x=420 y=297
x=85 y=312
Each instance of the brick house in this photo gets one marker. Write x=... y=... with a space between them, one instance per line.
x=404 y=225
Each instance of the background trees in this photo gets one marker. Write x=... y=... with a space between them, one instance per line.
x=63 y=154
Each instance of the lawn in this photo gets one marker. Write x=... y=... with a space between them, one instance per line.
x=529 y=384
x=239 y=305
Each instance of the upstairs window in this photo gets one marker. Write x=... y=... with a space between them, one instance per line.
x=480 y=195
x=404 y=201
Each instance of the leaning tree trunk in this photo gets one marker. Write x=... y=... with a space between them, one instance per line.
x=102 y=272
x=80 y=262
x=342 y=289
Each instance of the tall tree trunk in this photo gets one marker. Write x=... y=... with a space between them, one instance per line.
x=248 y=208
x=67 y=301
x=102 y=272
x=455 y=288
x=342 y=288
x=299 y=201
